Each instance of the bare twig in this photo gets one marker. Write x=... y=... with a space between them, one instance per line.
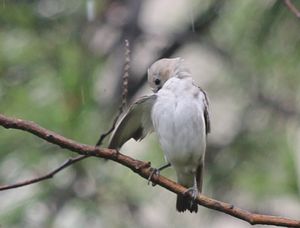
x=67 y=163
x=124 y=93
x=125 y=75
x=292 y=8
x=71 y=161
x=144 y=170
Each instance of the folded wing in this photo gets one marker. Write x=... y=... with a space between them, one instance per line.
x=206 y=112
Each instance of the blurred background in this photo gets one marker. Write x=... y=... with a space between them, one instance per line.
x=61 y=66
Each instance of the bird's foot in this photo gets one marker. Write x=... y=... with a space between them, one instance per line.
x=156 y=171
x=153 y=172
x=192 y=192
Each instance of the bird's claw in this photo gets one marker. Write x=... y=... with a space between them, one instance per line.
x=193 y=192
x=154 y=172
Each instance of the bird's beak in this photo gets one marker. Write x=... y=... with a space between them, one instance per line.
x=157 y=89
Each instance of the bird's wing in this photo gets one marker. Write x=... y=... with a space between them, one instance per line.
x=206 y=110
x=136 y=123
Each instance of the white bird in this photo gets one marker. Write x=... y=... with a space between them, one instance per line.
x=178 y=112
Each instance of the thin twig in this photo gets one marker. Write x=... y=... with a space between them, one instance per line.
x=49 y=175
x=124 y=93
x=144 y=170
x=71 y=161
x=292 y=8
x=125 y=76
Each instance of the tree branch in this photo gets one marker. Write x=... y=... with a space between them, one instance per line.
x=292 y=8
x=71 y=161
x=144 y=170
x=67 y=163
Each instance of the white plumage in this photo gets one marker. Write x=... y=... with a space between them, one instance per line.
x=178 y=119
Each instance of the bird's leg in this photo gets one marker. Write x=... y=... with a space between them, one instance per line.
x=156 y=171
x=193 y=191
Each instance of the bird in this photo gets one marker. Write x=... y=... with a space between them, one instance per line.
x=178 y=111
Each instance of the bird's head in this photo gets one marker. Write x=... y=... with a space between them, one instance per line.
x=163 y=69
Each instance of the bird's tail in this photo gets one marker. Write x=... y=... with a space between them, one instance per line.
x=185 y=202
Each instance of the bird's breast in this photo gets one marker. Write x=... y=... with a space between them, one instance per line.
x=179 y=123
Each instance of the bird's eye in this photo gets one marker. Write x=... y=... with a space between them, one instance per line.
x=157 y=81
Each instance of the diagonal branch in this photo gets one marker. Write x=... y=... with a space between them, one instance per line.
x=67 y=163
x=292 y=8
x=144 y=170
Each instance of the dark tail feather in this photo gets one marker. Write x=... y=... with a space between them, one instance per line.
x=199 y=176
x=186 y=203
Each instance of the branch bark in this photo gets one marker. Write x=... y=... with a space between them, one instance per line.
x=292 y=8
x=144 y=170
